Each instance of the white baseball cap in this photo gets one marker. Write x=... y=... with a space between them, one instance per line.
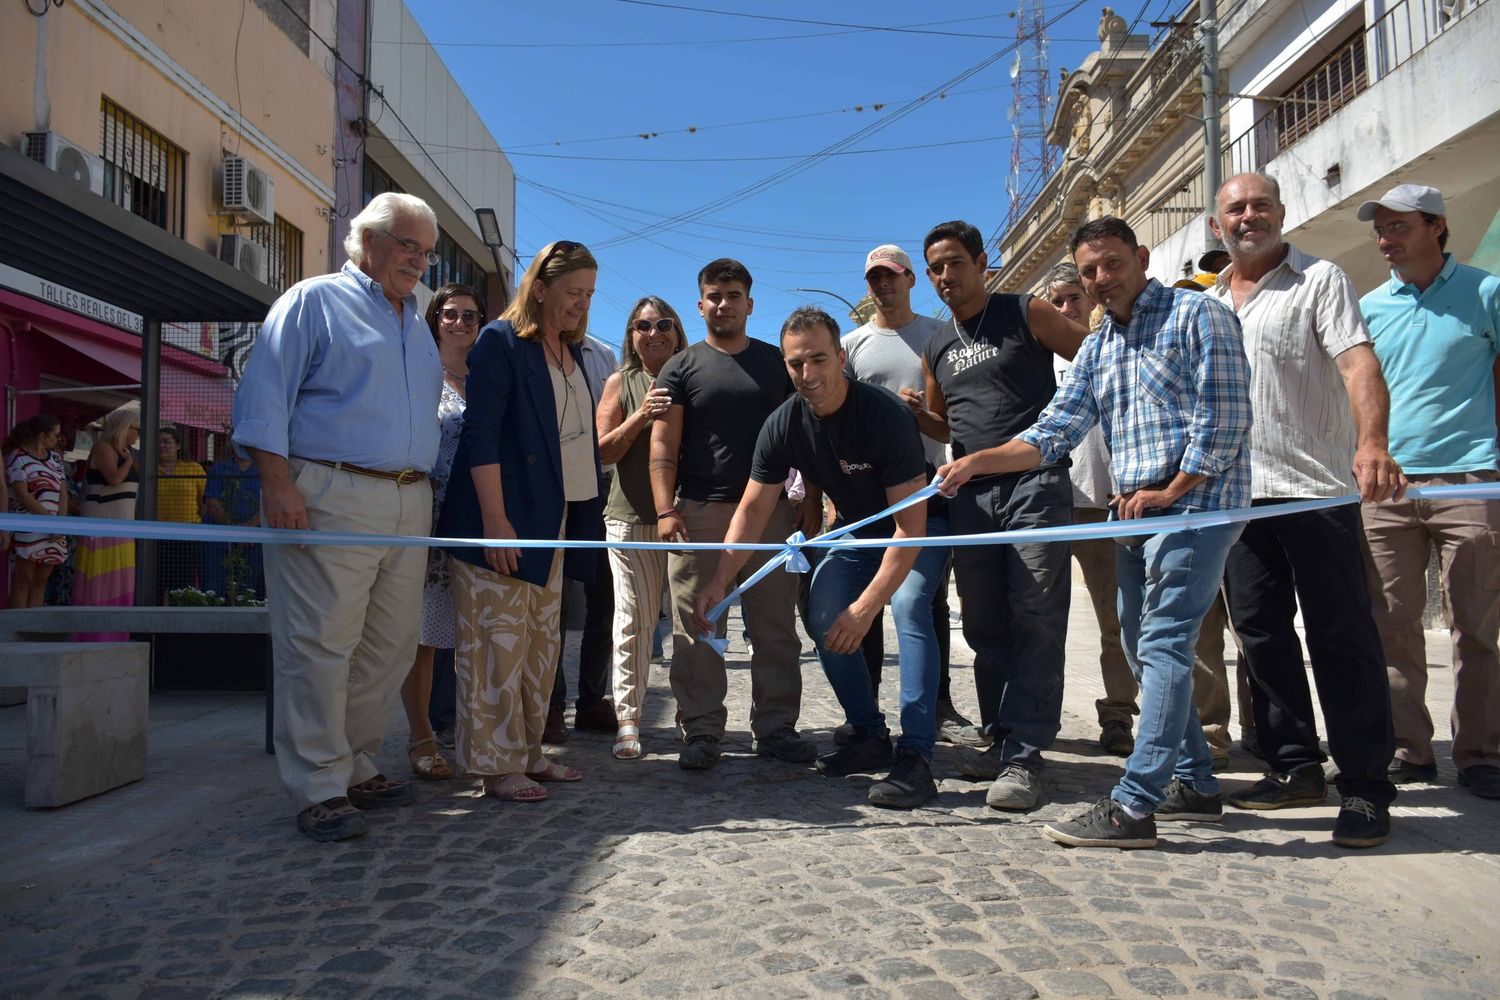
x=890 y=257
x=1405 y=198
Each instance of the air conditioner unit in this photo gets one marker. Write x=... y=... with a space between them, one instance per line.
x=246 y=255
x=248 y=190
x=67 y=158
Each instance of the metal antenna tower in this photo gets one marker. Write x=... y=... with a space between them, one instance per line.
x=1031 y=157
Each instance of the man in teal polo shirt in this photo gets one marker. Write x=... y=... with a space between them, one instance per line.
x=1436 y=327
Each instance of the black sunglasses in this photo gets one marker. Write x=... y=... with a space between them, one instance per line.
x=663 y=325
x=559 y=247
x=453 y=315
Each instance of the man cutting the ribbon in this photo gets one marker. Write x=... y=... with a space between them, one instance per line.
x=860 y=445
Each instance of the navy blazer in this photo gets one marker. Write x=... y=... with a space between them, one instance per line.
x=511 y=419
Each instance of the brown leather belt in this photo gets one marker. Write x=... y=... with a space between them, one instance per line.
x=402 y=478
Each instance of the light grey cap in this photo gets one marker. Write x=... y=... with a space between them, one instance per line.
x=1405 y=198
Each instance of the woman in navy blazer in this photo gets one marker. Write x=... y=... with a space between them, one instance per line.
x=527 y=467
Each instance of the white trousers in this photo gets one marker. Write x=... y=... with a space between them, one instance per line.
x=344 y=623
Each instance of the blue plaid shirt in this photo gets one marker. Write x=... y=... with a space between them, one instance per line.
x=1172 y=392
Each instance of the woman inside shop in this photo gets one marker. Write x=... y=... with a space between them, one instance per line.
x=104 y=570
x=37 y=485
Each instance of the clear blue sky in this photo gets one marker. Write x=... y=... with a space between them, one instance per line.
x=568 y=87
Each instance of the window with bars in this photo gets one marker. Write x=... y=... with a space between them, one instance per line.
x=283 y=243
x=1315 y=98
x=144 y=172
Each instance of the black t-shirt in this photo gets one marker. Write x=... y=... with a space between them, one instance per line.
x=725 y=398
x=996 y=379
x=868 y=444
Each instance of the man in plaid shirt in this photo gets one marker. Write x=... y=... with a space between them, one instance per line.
x=1167 y=379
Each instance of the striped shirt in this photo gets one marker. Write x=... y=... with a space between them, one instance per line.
x=1172 y=391
x=1296 y=320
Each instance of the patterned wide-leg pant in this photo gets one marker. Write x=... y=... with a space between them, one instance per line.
x=509 y=632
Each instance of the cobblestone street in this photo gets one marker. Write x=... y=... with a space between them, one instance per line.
x=754 y=879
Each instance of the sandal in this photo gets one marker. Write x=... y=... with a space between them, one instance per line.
x=555 y=772
x=628 y=741
x=428 y=766
x=515 y=787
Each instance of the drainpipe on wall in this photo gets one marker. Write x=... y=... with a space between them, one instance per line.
x=1208 y=29
x=41 y=107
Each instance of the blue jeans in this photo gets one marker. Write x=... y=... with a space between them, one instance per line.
x=841 y=576
x=1167 y=584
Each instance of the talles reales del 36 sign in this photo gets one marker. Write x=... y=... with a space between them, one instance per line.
x=66 y=298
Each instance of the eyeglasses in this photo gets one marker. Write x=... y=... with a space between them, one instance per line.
x=454 y=315
x=663 y=325
x=1395 y=230
x=559 y=247
x=412 y=246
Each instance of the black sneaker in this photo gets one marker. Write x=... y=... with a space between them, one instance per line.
x=1361 y=823
x=700 y=754
x=1481 y=779
x=954 y=729
x=843 y=734
x=1106 y=824
x=863 y=754
x=785 y=744
x=331 y=819
x=1115 y=738
x=1404 y=772
x=1250 y=745
x=381 y=792
x=981 y=765
x=909 y=784
x=1305 y=786
x=1187 y=804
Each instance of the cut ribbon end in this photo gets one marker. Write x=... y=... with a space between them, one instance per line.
x=720 y=646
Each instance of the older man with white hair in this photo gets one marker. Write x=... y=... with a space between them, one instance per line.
x=338 y=408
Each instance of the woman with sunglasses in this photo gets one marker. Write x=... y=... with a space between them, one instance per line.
x=629 y=404
x=527 y=467
x=453 y=316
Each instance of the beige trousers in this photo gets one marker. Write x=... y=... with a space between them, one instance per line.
x=1467 y=536
x=699 y=678
x=343 y=628
x=638 y=575
x=508 y=636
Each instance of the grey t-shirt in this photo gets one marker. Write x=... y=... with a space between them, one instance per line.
x=893 y=359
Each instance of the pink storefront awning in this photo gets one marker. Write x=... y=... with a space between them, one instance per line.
x=194 y=390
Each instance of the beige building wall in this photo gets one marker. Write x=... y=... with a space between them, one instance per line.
x=178 y=67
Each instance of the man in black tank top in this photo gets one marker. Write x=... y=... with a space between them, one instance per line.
x=989 y=375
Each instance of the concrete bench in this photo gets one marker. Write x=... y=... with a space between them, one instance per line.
x=86 y=715
x=50 y=622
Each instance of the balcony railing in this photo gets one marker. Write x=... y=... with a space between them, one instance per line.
x=1399 y=34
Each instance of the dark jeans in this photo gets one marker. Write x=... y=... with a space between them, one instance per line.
x=1015 y=607
x=595 y=648
x=442 y=706
x=1313 y=559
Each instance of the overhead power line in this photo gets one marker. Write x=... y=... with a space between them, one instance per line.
x=750 y=190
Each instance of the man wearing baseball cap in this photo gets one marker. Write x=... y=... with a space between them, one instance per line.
x=1436 y=327
x=888 y=352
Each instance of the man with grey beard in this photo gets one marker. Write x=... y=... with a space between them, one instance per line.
x=1321 y=408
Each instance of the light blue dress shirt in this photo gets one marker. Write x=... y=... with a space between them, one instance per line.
x=1171 y=390
x=336 y=375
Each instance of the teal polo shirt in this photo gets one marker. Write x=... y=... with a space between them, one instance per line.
x=1437 y=350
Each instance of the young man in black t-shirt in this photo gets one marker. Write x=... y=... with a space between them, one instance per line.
x=722 y=390
x=989 y=376
x=859 y=444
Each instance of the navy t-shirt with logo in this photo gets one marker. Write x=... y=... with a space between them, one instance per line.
x=853 y=454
